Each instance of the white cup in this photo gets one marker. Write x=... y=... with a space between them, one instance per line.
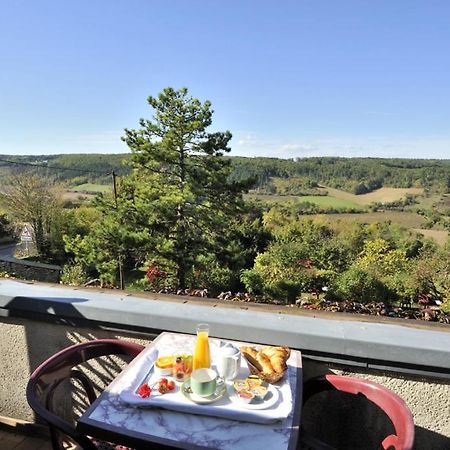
x=228 y=362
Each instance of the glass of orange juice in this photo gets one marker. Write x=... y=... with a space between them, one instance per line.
x=202 y=355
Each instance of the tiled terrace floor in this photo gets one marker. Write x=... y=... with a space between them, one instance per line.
x=10 y=440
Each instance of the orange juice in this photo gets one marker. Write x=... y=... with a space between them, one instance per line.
x=202 y=356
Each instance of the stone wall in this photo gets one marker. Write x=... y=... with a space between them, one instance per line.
x=30 y=270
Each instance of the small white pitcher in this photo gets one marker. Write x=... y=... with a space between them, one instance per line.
x=228 y=361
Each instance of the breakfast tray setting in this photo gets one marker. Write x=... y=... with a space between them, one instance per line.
x=277 y=404
x=172 y=419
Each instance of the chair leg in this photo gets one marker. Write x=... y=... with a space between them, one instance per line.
x=55 y=438
x=87 y=384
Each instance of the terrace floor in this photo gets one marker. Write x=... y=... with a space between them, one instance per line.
x=11 y=440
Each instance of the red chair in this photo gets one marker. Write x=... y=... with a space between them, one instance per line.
x=394 y=407
x=52 y=372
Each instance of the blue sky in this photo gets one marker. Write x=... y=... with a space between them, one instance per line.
x=287 y=78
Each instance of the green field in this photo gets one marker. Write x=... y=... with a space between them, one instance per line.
x=435 y=202
x=91 y=187
x=325 y=201
x=337 y=198
x=440 y=236
x=405 y=219
x=328 y=201
x=382 y=195
x=408 y=218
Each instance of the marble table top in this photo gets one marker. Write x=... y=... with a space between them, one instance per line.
x=109 y=418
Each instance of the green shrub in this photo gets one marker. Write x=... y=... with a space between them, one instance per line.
x=285 y=290
x=358 y=285
x=431 y=276
x=74 y=275
x=252 y=281
x=209 y=274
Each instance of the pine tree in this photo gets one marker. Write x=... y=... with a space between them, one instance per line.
x=179 y=189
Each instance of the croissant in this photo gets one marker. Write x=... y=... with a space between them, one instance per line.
x=265 y=363
x=269 y=361
x=250 y=351
x=250 y=354
x=276 y=351
x=278 y=363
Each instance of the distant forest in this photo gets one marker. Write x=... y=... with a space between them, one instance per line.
x=270 y=175
x=75 y=168
x=356 y=175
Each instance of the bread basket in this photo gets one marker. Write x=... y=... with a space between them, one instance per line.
x=256 y=369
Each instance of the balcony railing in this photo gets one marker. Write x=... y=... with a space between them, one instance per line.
x=409 y=358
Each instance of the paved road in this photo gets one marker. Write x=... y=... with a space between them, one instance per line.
x=7 y=250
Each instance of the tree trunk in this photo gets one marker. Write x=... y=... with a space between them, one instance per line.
x=39 y=236
x=181 y=273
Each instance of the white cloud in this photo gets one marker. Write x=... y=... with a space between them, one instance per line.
x=248 y=143
x=374 y=146
x=247 y=140
x=101 y=142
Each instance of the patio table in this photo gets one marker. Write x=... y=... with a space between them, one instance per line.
x=108 y=418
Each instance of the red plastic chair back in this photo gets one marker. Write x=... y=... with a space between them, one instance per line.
x=394 y=407
x=59 y=367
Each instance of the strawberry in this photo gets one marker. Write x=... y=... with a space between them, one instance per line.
x=171 y=385
x=145 y=390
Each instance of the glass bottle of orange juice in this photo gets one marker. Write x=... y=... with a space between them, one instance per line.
x=202 y=355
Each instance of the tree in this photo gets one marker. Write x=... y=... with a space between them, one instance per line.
x=6 y=228
x=185 y=194
x=110 y=243
x=178 y=199
x=35 y=200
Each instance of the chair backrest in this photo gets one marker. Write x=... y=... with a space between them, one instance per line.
x=394 y=407
x=59 y=367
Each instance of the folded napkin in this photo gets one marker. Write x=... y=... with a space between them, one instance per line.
x=140 y=373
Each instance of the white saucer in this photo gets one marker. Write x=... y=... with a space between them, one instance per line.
x=269 y=400
x=218 y=394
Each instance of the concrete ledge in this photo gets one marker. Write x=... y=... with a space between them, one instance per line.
x=397 y=347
